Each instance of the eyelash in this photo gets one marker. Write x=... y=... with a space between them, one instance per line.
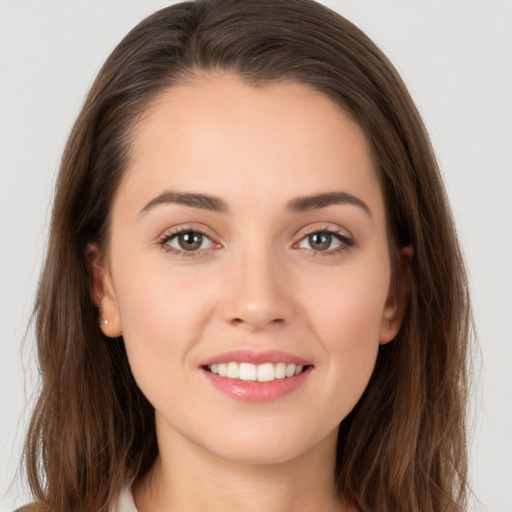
x=345 y=242
x=167 y=237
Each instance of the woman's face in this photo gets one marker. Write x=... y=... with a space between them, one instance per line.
x=248 y=239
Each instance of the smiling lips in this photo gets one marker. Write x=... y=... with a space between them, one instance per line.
x=266 y=372
x=256 y=376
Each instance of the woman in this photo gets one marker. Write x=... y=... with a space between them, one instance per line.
x=253 y=296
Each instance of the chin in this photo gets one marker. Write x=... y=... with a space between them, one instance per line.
x=266 y=446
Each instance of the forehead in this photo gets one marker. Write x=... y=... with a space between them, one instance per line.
x=222 y=136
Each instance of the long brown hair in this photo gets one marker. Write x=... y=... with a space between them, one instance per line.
x=403 y=447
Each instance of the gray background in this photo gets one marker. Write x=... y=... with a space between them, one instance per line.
x=456 y=58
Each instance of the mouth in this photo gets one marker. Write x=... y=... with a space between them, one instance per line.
x=266 y=372
x=257 y=375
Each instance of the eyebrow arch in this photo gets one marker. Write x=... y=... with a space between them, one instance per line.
x=215 y=204
x=202 y=201
x=317 y=201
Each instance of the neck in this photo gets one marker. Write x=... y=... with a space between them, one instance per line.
x=188 y=478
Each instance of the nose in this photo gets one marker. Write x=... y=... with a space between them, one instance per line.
x=259 y=294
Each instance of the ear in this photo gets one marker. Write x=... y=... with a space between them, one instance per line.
x=398 y=298
x=103 y=293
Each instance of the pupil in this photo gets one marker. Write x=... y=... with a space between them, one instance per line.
x=190 y=241
x=320 y=241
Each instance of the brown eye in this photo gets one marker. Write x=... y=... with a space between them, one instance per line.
x=320 y=241
x=189 y=241
x=325 y=241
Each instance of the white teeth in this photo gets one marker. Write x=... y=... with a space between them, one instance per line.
x=280 y=370
x=246 y=371
x=262 y=372
x=290 y=370
x=266 y=372
x=233 y=372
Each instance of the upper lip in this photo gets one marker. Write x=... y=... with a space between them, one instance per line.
x=255 y=357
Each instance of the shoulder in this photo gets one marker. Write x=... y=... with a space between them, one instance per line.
x=124 y=503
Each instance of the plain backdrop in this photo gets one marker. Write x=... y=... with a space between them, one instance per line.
x=456 y=58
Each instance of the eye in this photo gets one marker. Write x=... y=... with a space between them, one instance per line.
x=320 y=241
x=328 y=242
x=186 y=241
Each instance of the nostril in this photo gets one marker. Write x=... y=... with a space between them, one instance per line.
x=256 y=324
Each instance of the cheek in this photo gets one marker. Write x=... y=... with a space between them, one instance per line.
x=162 y=317
x=349 y=304
x=346 y=317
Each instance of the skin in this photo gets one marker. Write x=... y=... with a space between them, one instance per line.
x=256 y=282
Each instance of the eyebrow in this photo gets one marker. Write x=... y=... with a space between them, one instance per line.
x=201 y=201
x=317 y=201
x=215 y=204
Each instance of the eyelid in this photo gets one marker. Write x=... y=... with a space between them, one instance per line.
x=324 y=228
x=171 y=233
x=188 y=227
x=344 y=237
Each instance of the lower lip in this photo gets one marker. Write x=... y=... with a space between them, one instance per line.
x=253 y=391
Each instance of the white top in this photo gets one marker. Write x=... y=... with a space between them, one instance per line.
x=125 y=502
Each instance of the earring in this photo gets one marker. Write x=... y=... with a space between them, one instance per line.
x=103 y=321
x=389 y=324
